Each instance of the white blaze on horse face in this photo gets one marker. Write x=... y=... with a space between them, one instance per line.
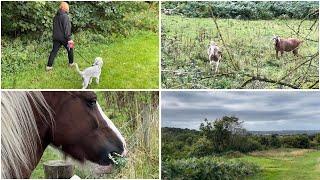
x=114 y=129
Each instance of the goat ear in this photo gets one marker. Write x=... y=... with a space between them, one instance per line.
x=95 y=63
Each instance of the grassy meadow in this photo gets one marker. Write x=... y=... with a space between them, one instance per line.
x=130 y=62
x=248 y=51
x=290 y=164
x=127 y=110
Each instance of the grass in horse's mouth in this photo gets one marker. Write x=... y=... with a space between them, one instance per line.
x=117 y=159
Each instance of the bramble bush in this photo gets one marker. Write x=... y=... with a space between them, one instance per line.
x=207 y=168
x=244 y=10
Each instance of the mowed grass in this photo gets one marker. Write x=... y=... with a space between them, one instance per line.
x=249 y=42
x=129 y=63
x=286 y=164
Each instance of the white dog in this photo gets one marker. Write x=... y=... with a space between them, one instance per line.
x=91 y=72
x=214 y=54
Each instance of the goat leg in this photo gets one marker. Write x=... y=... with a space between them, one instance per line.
x=295 y=52
x=217 y=65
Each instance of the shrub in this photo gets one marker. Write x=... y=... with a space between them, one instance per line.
x=297 y=141
x=203 y=147
x=109 y=17
x=207 y=168
x=244 y=10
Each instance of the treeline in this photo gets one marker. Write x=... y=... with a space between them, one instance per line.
x=244 y=9
x=224 y=136
x=21 y=17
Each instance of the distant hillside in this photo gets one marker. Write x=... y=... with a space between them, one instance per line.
x=178 y=130
x=285 y=132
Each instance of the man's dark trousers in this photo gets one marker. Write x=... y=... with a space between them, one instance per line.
x=55 y=49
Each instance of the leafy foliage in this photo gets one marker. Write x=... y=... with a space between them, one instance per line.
x=207 y=168
x=220 y=131
x=243 y=10
x=109 y=17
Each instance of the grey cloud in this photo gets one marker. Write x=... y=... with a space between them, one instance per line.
x=260 y=110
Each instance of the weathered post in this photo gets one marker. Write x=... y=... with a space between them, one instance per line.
x=58 y=169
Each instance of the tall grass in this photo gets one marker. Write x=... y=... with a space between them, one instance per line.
x=136 y=115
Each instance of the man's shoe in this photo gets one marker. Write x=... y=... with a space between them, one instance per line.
x=49 y=68
x=72 y=65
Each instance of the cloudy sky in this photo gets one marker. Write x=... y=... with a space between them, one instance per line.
x=260 y=111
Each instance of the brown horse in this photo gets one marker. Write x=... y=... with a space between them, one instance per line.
x=71 y=121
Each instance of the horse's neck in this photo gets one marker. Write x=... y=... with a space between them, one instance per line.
x=45 y=134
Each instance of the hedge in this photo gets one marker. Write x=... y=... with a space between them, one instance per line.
x=245 y=9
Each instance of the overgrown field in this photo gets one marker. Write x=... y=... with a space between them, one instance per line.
x=248 y=58
x=136 y=116
x=290 y=164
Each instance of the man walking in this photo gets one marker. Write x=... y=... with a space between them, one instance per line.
x=61 y=35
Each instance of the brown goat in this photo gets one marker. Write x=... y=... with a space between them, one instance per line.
x=290 y=44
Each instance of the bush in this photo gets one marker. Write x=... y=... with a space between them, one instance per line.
x=297 y=141
x=109 y=17
x=207 y=168
x=203 y=147
x=244 y=10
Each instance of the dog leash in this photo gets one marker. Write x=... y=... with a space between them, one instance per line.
x=82 y=57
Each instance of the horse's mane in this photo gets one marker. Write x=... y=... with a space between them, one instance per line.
x=20 y=136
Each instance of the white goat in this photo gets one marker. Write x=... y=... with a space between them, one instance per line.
x=214 y=55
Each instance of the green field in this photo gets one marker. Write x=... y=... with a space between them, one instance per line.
x=142 y=139
x=248 y=51
x=286 y=164
x=129 y=62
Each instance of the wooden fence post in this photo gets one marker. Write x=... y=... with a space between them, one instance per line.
x=58 y=169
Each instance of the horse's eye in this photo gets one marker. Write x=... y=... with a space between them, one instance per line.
x=91 y=103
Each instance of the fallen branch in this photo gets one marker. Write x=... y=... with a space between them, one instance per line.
x=297 y=67
x=315 y=83
x=264 y=79
x=218 y=75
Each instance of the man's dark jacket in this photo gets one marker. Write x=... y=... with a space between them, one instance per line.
x=61 y=27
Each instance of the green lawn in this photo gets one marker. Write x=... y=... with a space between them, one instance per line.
x=129 y=63
x=286 y=164
x=248 y=44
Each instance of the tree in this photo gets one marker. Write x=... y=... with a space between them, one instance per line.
x=317 y=138
x=220 y=131
x=275 y=142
